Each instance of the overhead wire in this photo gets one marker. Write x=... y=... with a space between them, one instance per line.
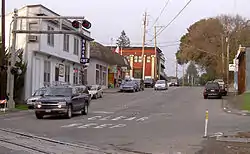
x=163 y=9
x=175 y=17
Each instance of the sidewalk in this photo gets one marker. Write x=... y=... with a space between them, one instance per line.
x=111 y=90
x=237 y=104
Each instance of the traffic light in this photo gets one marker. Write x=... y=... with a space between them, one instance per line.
x=86 y=24
x=76 y=24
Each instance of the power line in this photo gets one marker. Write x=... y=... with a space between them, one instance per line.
x=174 y=18
x=163 y=9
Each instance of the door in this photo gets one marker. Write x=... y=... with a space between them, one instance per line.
x=75 y=100
x=56 y=74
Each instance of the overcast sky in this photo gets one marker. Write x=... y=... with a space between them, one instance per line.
x=110 y=17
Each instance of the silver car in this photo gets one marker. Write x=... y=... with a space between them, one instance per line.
x=37 y=95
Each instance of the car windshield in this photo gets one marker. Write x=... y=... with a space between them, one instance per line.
x=64 y=92
x=39 y=92
x=160 y=82
x=212 y=85
x=129 y=83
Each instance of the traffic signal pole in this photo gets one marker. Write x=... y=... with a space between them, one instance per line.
x=10 y=76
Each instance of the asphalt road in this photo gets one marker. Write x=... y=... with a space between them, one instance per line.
x=150 y=121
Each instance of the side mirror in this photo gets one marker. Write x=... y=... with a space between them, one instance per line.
x=88 y=88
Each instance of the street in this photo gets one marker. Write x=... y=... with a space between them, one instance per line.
x=144 y=122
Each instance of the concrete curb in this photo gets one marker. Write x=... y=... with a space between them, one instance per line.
x=230 y=110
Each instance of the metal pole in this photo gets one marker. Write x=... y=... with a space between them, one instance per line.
x=155 y=74
x=222 y=57
x=2 y=53
x=10 y=78
x=227 y=40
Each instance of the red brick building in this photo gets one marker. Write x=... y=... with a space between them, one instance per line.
x=152 y=60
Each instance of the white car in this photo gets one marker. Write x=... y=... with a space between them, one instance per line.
x=161 y=85
x=96 y=91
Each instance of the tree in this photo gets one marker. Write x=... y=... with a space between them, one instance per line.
x=202 y=43
x=192 y=70
x=19 y=79
x=123 y=40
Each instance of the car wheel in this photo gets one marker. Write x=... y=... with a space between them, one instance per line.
x=85 y=110
x=220 y=97
x=205 y=97
x=39 y=115
x=69 y=112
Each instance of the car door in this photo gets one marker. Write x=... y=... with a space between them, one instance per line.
x=75 y=99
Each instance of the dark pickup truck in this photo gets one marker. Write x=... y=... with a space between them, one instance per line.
x=63 y=101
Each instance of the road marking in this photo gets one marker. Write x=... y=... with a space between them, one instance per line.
x=94 y=118
x=106 y=118
x=132 y=118
x=14 y=118
x=103 y=112
x=118 y=126
x=142 y=119
x=103 y=125
x=87 y=125
x=72 y=125
x=118 y=118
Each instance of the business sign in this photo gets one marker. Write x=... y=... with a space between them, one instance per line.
x=61 y=70
x=83 y=59
x=231 y=67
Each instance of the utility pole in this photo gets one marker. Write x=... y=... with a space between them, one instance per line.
x=10 y=76
x=228 y=45
x=222 y=57
x=155 y=72
x=183 y=75
x=143 y=45
x=2 y=53
x=176 y=69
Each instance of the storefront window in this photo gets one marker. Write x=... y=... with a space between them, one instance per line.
x=135 y=59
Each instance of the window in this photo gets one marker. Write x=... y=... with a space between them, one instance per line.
x=76 y=46
x=140 y=59
x=97 y=76
x=66 y=42
x=75 y=76
x=47 y=69
x=104 y=78
x=80 y=77
x=97 y=66
x=67 y=73
x=135 y=59
x=148 y=59
x=50 y=37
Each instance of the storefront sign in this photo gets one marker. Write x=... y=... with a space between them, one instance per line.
x=61 y=70
x=83 y=59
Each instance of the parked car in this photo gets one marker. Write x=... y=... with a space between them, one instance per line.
x=161 y=85
x=223 y=86
x=212 y=89
x=35 y=96
x=63 y=100
x=149 y=82
x=140 y=82
x=129 y=85
x=96 y=91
